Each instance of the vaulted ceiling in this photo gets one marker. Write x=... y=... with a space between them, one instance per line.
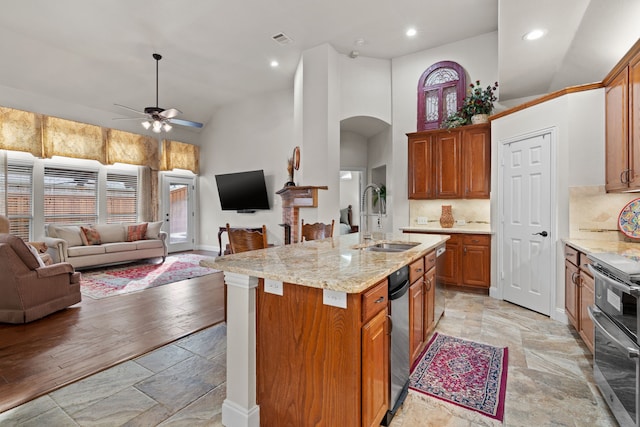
x=215 y=52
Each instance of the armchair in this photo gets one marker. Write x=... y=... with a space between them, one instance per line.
x=29 y=290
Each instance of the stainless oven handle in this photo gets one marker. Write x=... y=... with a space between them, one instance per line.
x=633 y=290
x=596 y=315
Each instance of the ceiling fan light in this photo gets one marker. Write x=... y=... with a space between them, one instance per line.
x=146 y=124
x=166 y=127
x=157 y=126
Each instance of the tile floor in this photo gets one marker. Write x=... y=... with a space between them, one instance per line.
x=183 y=384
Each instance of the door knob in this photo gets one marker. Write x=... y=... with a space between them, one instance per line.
x=542 y=233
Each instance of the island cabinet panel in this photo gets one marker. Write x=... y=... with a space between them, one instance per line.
x=579 y=293
x=416 y=318
x=571 y=285
x=421 y=303
x=429 y=302
x=313 y=360
x=375 y=369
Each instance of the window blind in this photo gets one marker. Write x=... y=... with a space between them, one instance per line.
x=70 y=196
x=19 y=185
x=122 y=197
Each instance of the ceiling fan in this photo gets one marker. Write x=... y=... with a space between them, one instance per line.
x=156 y=118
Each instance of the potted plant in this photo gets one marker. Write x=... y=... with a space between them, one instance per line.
x=478 y=103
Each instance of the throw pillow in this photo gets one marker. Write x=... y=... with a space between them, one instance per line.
x=136 y=232
x=153 y=230
x=35 y=253
x=344 y=216
x=90 y=236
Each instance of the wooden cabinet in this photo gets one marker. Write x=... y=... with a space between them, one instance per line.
x=450 y=163
x=344 y=354
x=578 y=293
x=375 y=369
x=467 y=261
x=475 y=260
x=622 y=123
x=587 y=298
x=421 y=175
x=422 y=275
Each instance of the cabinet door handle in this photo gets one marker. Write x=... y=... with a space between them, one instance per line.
x=418 y=270
x=379 y=300
x=464 y=250
x=428 y=284
x=574 y=277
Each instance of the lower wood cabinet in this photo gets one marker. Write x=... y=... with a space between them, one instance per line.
x=578 y=293
x=467 y=261
x=421 y=303
x=375 y=369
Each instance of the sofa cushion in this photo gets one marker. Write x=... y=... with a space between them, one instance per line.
x=153 y=229
x=85 y=250
x=70 y=233
x=111 y=233
x=136 y=232
x=90 y=236
x=149 y=244
x=119 y=247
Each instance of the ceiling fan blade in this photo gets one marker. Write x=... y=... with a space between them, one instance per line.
x=131 y=109
x=170 y=113
x=127 y=118
x=185 y=123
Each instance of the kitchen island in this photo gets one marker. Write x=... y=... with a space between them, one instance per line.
x=307 y=330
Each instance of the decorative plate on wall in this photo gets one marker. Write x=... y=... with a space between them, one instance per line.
x=629 y=219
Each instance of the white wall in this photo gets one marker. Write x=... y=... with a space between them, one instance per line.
x=380 y=154
x=353 y=150
x=578 y=121
x=365 y=88
x=477 y=55
x=254 y=134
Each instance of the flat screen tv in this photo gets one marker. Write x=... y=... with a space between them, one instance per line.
x=244 y=192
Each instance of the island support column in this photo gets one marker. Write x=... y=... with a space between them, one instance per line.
x=239 y=407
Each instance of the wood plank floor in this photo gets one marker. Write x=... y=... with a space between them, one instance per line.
x=93 y=335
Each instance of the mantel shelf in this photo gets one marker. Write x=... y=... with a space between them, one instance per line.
x=306 y=196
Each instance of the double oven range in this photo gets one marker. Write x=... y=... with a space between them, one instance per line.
x=616 y=364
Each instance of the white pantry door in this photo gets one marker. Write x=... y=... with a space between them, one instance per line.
x=527 y=256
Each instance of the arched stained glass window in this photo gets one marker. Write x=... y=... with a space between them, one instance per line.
x=441 y=90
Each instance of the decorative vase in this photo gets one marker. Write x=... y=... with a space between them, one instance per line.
x=479 y=118
x=446 y=219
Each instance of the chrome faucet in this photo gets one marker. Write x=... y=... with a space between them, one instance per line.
x=364 y=222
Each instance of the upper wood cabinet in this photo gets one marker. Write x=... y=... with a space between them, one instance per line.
x=450 y=163
x=622 y=100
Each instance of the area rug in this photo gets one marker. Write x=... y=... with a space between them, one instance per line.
x=462 y=372
x=117 y=280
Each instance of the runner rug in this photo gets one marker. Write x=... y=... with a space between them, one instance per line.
x=465 y=373
x=123 y=279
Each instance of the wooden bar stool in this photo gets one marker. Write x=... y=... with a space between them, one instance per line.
x=317 y=230
x=244 y=239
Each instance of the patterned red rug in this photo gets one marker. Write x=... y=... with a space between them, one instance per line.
x=465 y=373
x=117 y=280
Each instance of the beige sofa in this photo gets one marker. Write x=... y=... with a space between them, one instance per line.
x=107 y=243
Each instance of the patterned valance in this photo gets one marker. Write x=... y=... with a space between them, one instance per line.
x=179 y=155
x=45 y=137
x=20 y=131
x=131 y=148
x=73 y=139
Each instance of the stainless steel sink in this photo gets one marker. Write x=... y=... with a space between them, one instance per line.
x=391 y=247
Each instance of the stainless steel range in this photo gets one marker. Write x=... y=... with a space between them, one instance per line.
x=616 y=346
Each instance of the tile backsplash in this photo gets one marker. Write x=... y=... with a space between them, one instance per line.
x=471 y=210
x=593 y=213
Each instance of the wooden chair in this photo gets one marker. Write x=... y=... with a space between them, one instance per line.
x=316 y=231
x=242 y=239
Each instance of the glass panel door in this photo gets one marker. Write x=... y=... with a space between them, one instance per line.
x=178 y=212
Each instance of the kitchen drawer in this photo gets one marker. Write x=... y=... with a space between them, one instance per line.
x=374 y=300
x=429 y=261
x=571 y=255
x=416 y=270
x=476 y=239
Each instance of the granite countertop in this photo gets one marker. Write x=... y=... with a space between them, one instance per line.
x=337 y=263
x=597 y=246
x=434 y=227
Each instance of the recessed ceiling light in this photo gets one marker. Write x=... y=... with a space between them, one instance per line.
x=274 y=64
x=534 y=34
x=411 y=32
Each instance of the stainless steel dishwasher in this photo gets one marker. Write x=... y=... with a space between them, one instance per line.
x=399 y=297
